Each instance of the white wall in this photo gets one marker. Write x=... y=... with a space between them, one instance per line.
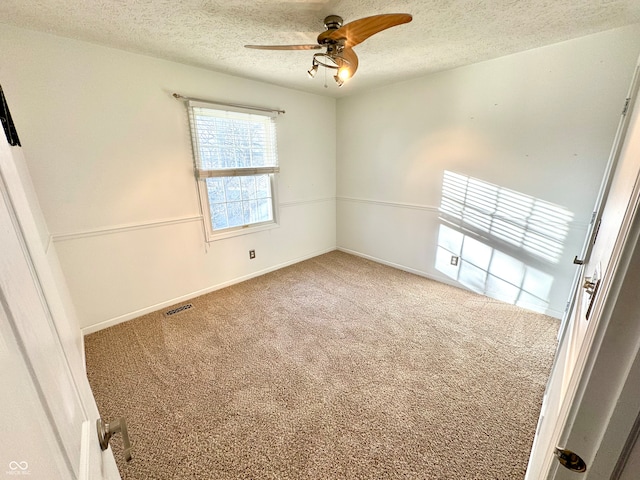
x=538 y=125
x=109 y=152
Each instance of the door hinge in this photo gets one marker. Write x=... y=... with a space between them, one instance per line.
x=626 y=106
x=596 y=231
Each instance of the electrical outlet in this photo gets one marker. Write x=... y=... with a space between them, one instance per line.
x=252 y=254
x=454 y=260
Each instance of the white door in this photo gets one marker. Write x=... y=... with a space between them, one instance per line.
x=604 y=387
x=599 y=257
x=47 y=413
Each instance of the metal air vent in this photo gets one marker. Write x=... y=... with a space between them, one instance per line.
x=180 y=309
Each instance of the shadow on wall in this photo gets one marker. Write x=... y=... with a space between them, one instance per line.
x=507 y=243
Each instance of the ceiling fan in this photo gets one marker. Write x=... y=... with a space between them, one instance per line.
x=339 y=40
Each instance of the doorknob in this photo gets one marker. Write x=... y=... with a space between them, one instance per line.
x=570 y=460
x=106 y=431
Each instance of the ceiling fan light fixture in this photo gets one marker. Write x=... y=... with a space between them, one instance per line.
x=338 y=80
x=344 y=73
x=313 y=70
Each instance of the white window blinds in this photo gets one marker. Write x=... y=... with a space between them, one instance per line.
x=229 y=143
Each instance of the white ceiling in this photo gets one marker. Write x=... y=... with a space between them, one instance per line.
x=211 y=33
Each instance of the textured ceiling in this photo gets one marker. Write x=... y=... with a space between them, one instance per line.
x=211 y=33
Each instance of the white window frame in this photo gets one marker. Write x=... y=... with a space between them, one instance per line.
x=202 y=174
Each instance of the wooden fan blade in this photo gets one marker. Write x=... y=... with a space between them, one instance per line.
x=350 y=56
x=359 y=30
x=284 y=47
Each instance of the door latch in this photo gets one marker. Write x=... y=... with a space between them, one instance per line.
x=106 y=431
x=570 y=460
x=589 y=285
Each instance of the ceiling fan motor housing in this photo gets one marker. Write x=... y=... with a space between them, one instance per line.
x=333 y=22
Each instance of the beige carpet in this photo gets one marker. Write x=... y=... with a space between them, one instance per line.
x=334 y=368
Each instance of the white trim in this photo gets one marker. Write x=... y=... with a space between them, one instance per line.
x=603 y=306
x=429 y=208
x=441 y=279
x=48 y=244
x=420 y=273
x=85 y=451
x=83 y=353
x=614 y=156
x=212 y=235
x=414 y=206
x=243 y=230
x=603 y=310
x=634 y=433
x=129 y=316
x=235 y=172
x=62 y=237
x=296 y=203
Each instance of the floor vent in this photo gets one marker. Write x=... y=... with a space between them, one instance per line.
x=180 y=309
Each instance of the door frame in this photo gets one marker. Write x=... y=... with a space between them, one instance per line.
x=600 y=417
x=583 y=367
x=30 y=228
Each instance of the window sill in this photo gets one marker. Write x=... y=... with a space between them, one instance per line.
x=236 y=232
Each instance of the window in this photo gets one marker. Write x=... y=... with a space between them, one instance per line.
x=235 y=161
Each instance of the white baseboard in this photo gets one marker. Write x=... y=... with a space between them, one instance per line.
x=442 y=279
x=437 y=278
x=159 y=306
x=83 y=352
